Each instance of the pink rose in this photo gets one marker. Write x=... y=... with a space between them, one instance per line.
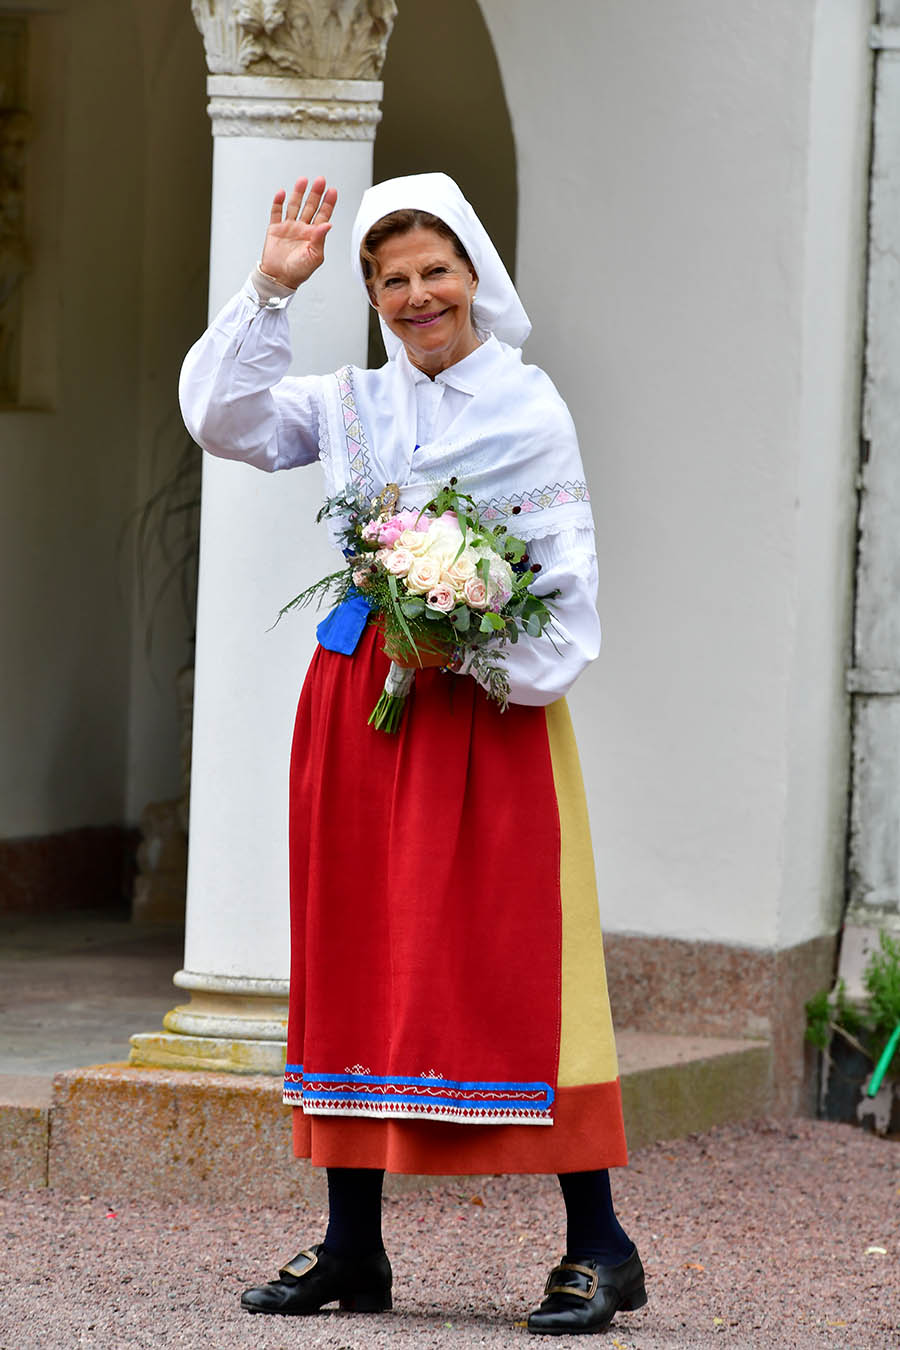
x=423 y=576
x=360 y=578
x=371 y=532
x=475 y=593
x=442 y=597
x=397 y=560
x=412 y=520
x=389 y=533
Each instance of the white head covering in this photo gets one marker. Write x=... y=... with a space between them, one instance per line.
x=497 y=308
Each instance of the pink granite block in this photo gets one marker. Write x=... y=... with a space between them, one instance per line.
x=24 y=1131
x=120 y=1132
x=674 y=986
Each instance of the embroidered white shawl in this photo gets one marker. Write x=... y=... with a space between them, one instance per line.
x=514 y=446
x=513 y=449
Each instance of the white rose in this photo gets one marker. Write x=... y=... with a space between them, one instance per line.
x=445 y=538
x=415 y=541
x=446 y=524
x=423 y=575
x=457 y=573
x=500 y=582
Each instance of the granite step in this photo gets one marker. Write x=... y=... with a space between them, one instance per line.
x=117 y=1131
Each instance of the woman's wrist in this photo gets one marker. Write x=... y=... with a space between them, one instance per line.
x=268 y=287
x=279 y=281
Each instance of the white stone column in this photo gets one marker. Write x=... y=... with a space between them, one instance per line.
x=293 y=91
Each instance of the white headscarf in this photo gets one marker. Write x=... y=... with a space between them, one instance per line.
x=497 y=308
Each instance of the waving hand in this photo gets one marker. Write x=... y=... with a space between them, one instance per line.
x=295 y=239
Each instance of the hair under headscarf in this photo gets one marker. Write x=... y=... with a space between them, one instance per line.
x=497 y=308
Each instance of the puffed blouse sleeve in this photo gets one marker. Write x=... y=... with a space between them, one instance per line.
x=236 y=399
x=539 y=672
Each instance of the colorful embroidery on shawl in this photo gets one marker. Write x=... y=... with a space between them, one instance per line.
x=495 y=508
x=355 y=433
x=429 y=1096
x=539 y=499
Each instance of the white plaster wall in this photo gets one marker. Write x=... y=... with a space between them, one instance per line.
x=673 y=189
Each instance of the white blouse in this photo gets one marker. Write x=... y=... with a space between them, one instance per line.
x=238 y=403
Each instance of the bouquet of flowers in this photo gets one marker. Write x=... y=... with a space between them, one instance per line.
x=438 y=581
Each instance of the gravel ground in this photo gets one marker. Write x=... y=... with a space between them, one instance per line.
x=771 y=1234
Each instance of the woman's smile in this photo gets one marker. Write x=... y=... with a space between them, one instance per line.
x=423 y=320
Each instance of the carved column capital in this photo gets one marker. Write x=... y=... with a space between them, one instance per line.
x=295 y=68
x=306 y=39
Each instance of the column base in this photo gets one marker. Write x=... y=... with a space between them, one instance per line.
x=231 y=1025
x=216 y=1054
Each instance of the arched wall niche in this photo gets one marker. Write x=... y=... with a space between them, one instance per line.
x=444 y=108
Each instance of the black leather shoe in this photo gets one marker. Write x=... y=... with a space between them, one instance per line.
x=583 y=1297
x=316 y=1277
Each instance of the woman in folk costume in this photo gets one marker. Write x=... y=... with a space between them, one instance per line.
x=448 y=1004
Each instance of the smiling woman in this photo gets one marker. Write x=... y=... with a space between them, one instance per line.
x=448 y=1004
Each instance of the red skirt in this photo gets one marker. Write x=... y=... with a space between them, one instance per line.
x=448 y=1005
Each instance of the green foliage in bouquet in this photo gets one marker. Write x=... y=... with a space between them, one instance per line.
x=480 y=598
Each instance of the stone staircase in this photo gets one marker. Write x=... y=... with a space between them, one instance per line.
x=113 y=1130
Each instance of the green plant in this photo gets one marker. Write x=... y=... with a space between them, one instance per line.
x=882 y=981
x=829 y=1011
x=868 y=1027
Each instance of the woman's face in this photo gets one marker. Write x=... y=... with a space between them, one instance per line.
x=424 y=293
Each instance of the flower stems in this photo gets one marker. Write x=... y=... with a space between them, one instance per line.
x=388 y=712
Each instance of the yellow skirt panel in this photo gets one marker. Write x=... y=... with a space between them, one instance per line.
x=587 y=1047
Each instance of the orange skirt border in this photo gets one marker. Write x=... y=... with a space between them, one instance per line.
x=587 y=1133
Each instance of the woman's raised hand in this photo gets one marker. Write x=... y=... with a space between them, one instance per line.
x=295 y=239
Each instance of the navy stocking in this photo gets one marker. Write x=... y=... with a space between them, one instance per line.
x=592 y=1230
x=354 y=1211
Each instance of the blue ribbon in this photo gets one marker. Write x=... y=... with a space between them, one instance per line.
x=341 y=630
